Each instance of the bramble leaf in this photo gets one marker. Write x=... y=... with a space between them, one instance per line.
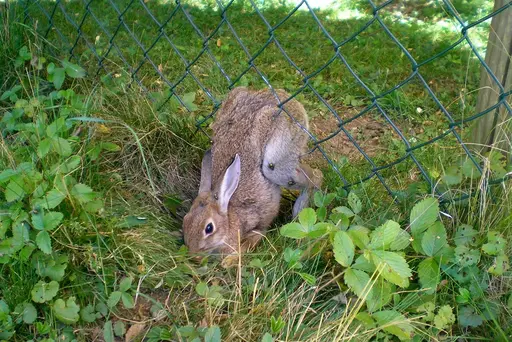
x=343 y=248
x=423 y=215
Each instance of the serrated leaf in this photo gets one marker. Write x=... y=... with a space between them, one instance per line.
x=429 y=275
x=343 y=248
x=88 y=314
x=52 y=199
x=307 y=218
x=465 y=235
x=359 y=236
x=128 y=300
x=500 y=265
x=50 y=266
x=82 y=193
x=357 y=281
x=108 y=332
x=61 y=146
x=6 y=175
x=44 y=242
x=444 y=318
x=394 y=323
x=125 y=284
x=467 y=317
x=423 y=215
x=320 y=229
x=111 y=147
x=44 y=147
x=354 y=202
x=113 y=299
x=56 y=127
x=69 y=165
x=44 y=292
x=384 y=235
x=470 y=170
x=395 y=268
x=434 y=239
x=496 y=244
x=119 y=329
x=363 y=264
x=52 y=220
x=465 y=256
x=293 y=230
x=14 y=190
x=213 y=334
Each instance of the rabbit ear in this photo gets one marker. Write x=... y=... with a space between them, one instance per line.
x=206 y=173
x=229 y=184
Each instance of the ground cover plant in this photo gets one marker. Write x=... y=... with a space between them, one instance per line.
x=95 y=178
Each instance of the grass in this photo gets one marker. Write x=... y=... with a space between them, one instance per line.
x=148 y=184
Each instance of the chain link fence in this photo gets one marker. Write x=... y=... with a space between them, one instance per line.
x=72 y=29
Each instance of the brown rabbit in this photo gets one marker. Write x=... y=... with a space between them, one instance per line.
x=255 y=152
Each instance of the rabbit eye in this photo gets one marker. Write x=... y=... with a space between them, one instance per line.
x=209 y=228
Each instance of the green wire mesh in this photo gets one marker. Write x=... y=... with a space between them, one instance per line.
x=70 y=40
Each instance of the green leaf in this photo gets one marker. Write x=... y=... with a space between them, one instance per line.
x=14 y=190
x=320 y=229
x=394 y=323
x=44 y=242
x=44 y=147
x=267 y=338
x=464 y=296
x=128 y=300
x=363 y=264
x=444 y=318
x=28 y=313
x=307 y=218
x=395 y=268
x=125 y=284
x=58 y=77
x=343 y=248
x=82 y=193
x=213 y=334
x=119 y=329
x=44 y=292
x=465 y=235
x=500 y=265
x=88 y=314
x=465 y=256
x=52 y=199
x=26 y=252
x=61 y=146
x=202 y=289
x=6 y=175
x=188 y=99
x=108 y=332
x=38 y=219
x=470 y=170
x=434 y=239
x=357 y=281
x=354 y=202
x=452 y=176
x=496 y=244
x=429 y=275
x=133 y=221
x=383 y=236
x=113 y=299
x=52 y=266
x=52 y=220
x=366 y=319
x=111 y=147
x=308 y=278
x=359 y=236
x=423 y=215
x=293 y=230
x=467 y=317
x=73 y=70
x=56 y=127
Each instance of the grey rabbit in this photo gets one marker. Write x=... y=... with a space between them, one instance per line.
x=254 y=153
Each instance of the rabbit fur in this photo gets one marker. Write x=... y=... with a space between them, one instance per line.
x=256 y=150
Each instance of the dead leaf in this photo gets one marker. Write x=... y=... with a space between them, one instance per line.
x=160 y=68
x=219 y=42
x=103 y=129
x=134 y=331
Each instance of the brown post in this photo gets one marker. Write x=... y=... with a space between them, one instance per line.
x=494 y=128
